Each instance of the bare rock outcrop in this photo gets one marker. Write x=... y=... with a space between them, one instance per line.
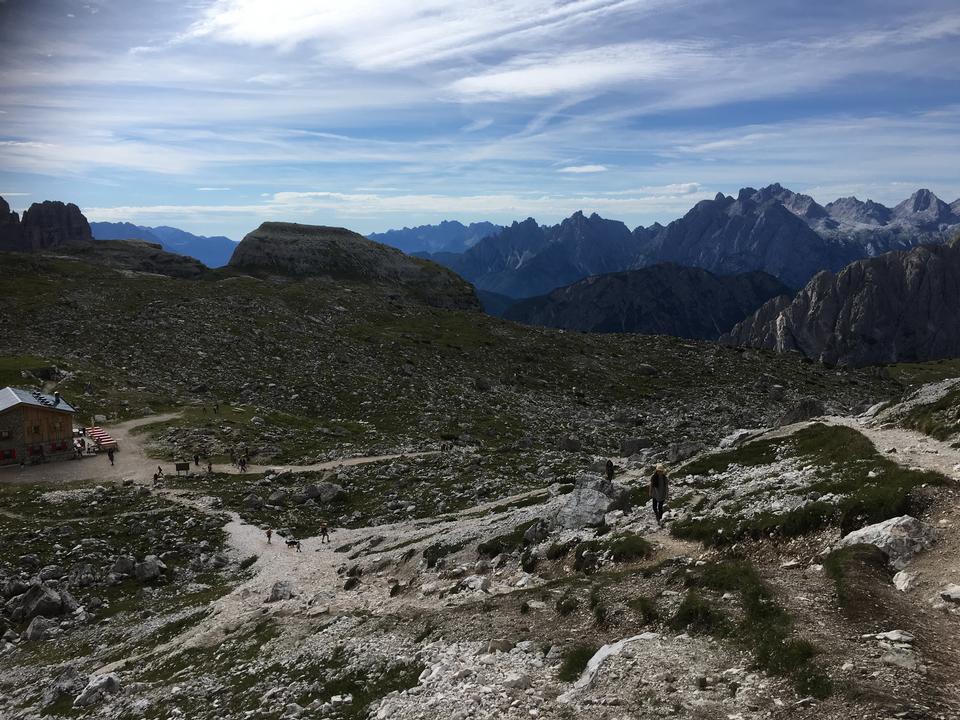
x=293 y=250
x=898 y=307
x=46 y=225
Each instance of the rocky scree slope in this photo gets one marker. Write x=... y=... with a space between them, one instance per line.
x=898 y=307
x=662 y=300
x=293 y=250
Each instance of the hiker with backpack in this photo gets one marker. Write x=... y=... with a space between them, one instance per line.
x=658 y=491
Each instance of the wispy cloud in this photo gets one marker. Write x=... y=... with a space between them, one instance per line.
x=581 y=169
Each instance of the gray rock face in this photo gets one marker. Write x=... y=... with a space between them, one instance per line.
x=282 y=590
x=900 y=538
x=44 y=225
x=68 y=682
x=38 y=628
x=52 y=224
x=659 y=300
x=97 y=689
x=684 y=450
x=755 y=231
x=294 y=250
x=592 y=498
x=898 y=307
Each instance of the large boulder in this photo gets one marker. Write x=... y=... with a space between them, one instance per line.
x=677 y=452
x=592 y=498
x=37 y=600
x=38 y=629
x=124 y=565
x=97 y=689
x=324 y=492
x=277 y=498
x=150 y=569
x=68 y=682
x=282 y=590
x=900 y=538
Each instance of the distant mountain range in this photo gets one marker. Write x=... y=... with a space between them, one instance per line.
x=211 y=251
x=449 y=236
x=774 y=230
x=897 y=307
x=658 y=300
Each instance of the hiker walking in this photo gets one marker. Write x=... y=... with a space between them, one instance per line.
x=196 y=459
x=324 y=533
x=297 y=546
x=269 y=535
x=209 y=467
x=609 y=469
x=110 y=455
x=658 y=491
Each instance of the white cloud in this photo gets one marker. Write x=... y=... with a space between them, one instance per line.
x=386 y=34
x=477 y=125
x=580 y=169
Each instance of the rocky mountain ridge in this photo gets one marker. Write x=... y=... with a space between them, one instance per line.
x=447 y=236
x=660 y=300
x=897 y=307
x=775 y=230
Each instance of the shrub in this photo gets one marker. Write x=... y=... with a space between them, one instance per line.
x=645 y=607
x=697 y=614
x=627 y=548
x=248 y=562
x=566 y=604
x=559 y=550
x=575 y=662
x=599 y=613
x=507 y=542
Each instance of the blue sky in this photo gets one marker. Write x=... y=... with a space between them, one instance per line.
x=215 y=115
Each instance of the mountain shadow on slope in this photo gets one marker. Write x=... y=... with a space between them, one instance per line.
x=663 y=299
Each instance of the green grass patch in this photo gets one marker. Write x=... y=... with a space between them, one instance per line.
x=766 y=628
x=940 y=419
x=925 y=372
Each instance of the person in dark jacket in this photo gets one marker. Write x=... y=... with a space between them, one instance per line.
x=658 y=491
